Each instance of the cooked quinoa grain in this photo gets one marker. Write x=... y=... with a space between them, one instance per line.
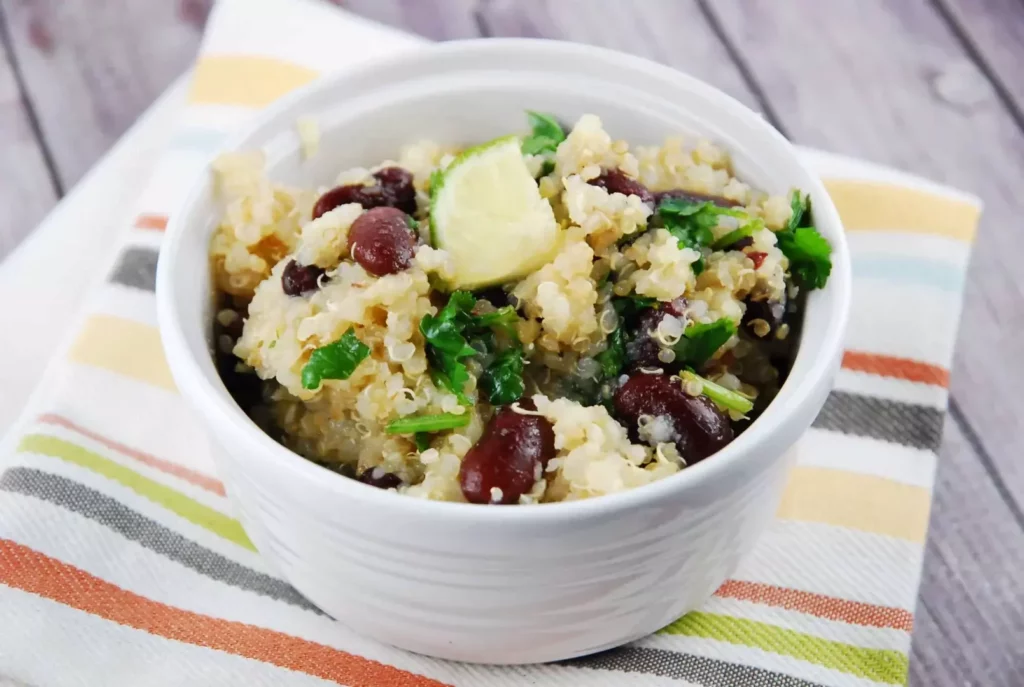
x=660 y=303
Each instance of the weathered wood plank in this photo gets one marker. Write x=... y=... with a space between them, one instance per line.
x=673 y=32
x=438 y=20
x=969 y=618
x=868 y=80
x=26 y=190
x=994 y=30
x=90 y=68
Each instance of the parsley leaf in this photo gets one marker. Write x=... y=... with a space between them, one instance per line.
x=427 y=423
x=503 y=378
x=700 y=341
x=691 y=223
x=336 y=360
x=547 y=134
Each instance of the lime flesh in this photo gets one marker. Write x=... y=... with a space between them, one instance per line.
x=487 y=212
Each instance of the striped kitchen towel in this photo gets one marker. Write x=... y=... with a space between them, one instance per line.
x=121 y=563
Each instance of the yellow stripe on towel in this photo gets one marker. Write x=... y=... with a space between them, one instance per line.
x=125 y=347
x=860 y=502
x=874 y=206
x=245 y=80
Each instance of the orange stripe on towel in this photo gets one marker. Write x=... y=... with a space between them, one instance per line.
x=900 y=368
x=819 y=605
x=33 y=572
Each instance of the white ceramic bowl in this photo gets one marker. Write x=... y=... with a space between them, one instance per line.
x=486 y=584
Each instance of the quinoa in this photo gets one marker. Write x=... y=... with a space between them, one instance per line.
x=342 y=357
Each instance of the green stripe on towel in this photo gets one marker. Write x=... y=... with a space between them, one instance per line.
x=882 y=665
x=172 y=500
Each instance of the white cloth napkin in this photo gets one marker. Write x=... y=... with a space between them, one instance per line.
x=120 y=561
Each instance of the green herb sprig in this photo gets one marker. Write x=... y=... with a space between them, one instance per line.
x=809 y=253
x=450 y=336
x=336 y=360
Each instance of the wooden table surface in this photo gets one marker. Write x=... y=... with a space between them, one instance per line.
x=924 y=85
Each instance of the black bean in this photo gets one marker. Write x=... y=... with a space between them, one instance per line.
x=393 y=188
x=377 y=477
x=771 y=312
x=299 y=279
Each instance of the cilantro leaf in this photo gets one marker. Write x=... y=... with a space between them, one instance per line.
x=691 y=222
x=505 y=319
x=427 y=423
x=336 y=360
x=446 y=344
x=503 y=378
x=800 y=204
x=810 y=256
x=613 y=357
x=546 y=134
x=700 y=341
x=450 y=336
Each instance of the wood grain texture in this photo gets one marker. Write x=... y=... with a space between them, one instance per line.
x=969 y=618
x=90 y=68
x=438 y=20
x=26 y=191
x=867 y=82
x=672 y=32
x=994 y=31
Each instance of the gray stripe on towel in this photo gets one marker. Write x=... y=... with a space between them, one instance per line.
x=901 y=423
x=100 y=508
x=136 y=268
x=708 y=672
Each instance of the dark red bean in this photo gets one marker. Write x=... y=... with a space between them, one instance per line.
x=694 y=197
x=700 y=428
x=299 y=279
x=380 y=240
x=397 y=189
x=745 y=242
x=507 y=456
x=377 y=477
x=616 y=181
x=394 y=189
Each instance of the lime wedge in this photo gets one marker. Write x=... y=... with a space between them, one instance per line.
x=487 y=212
